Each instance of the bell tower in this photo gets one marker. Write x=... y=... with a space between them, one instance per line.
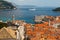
x=13 y=18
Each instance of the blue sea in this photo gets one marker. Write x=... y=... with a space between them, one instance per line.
x=27 y=14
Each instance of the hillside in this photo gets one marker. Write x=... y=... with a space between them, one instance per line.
x=57 y=9
x=6 y=5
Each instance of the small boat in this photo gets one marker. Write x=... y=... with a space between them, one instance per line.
x=32 y=9
x=1 y=21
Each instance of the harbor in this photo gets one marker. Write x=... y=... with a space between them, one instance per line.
x=29 y=19
x=47 y=29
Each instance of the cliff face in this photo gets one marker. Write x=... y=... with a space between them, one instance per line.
x=6 y=5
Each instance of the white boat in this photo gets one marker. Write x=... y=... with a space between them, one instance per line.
x=1 y=21
x=32 y=9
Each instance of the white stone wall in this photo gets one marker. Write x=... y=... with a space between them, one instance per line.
x=20 y=32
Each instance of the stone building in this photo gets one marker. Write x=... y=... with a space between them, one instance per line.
x=7 y=34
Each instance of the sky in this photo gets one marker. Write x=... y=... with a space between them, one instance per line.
x=41 y=3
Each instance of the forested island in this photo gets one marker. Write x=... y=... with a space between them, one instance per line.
x=6 y=5
x=57 y=9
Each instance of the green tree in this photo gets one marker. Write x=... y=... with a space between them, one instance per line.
x=1 y=0
x=3 y=25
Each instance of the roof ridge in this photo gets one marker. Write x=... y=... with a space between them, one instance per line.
x=2 y=29
x=7 y=31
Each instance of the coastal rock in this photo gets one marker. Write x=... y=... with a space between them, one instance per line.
x=6 y=5
x=57 y=9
